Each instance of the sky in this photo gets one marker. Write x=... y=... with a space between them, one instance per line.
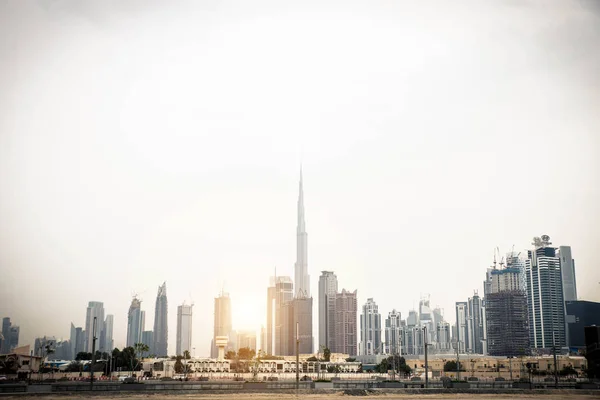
x=151 y=141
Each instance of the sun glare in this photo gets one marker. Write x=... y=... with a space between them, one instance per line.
x=247 y=315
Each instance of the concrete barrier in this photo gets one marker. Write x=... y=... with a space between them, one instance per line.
x=13 y=388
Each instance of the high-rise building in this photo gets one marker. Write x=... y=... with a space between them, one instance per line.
x=76 y=340
x=328 y=287
x=302 y=279
x=284 y=293
x=462 y=326
x=9 y=339
x=43 y=344
x=184 y=329
x=95 y=310
x=567 y=269
x=393 y=326
x=108 y=333
x=161 y=329
x=506 y=315
x=148 y=340
x=136 y=321
x=246 y=339
x=222 y=325
x=579 y=315
x=546 y=307
x=346 y=336
x=475 y=324
x=370 y=329
x=443 y=337
x=302 y=324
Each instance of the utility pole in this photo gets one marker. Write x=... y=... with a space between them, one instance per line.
x=297 y=356
x=426 y=365
x=93 y=354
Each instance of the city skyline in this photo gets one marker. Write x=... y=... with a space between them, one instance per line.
x=173 y=155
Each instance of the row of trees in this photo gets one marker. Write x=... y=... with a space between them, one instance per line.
x=394 y=363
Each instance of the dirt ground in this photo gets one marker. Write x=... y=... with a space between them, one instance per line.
x=335 y=395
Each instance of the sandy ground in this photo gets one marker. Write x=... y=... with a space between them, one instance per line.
x=336 y=395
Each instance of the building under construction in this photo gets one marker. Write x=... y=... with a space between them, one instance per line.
x=506 y=314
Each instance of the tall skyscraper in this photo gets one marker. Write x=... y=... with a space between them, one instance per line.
x=76 y=340
x=136 y=321
x=184 y=329
x=301 y=268
x=95 y=309
x=475 y=324
x=279 y=292
x=346 y=332
x=284 y=293
x=393 y=326
x=545 y=302
x=567 y=269
x=148 y=340
x=108 y=333
x=161 y=329
x=10 y=335
x=297 y=317
x=370 y=329
x=506 y=314
x=222 y=325
x=328 y=287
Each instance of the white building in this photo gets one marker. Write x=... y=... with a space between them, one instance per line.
x=184 y=329
x=370 y=329
x=393 y=325
x=95 y=309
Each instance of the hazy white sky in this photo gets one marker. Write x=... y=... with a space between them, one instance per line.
x=144 y=141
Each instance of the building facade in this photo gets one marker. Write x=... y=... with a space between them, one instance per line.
x=136 y=321
x=579 y=315
x=328 y=287
x=161 y=327
x=506 y=315
x=184 y=329
x=302 y=279
x=148 y=340
x=462 y=326
x=475 y=324
x=95 y=310
x=9 y=339
x=546 y=307
x=370 y=329
x=222 y=324
x=393 y=328
x=567 y=270
x=108 y=333
x=346 y=332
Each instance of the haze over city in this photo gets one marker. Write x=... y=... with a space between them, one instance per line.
x=144 y=142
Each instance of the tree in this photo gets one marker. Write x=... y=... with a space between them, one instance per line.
x=186 y=355
x=230 y=355
x=326 y=354
x=350 y=359
x=83 y=356
x=178 y=365
x=450 y=366
x=395 y=362
x=313 y=358
x=568 y=371
x=245 y=353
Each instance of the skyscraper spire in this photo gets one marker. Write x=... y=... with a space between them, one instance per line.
x=302 y=279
